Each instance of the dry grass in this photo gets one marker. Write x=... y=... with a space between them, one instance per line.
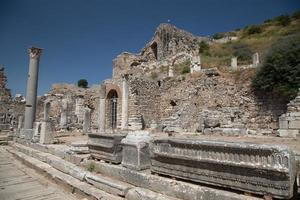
x=220 y=54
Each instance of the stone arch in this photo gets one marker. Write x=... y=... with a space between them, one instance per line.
x=180 y=55
x=154 y=49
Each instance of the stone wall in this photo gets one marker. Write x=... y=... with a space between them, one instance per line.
x=77 y=99
x=167 y=41
x=10 y=109
x=143 y=103
x=204 y=102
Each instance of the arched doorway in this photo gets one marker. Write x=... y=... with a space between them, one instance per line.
x=113 y=108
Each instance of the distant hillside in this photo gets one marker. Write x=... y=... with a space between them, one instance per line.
x=244 y=42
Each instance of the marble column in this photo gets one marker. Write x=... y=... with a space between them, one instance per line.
x=234 y=63
x=102 y=109
x=20 y=122
x=87 y=120
x=63 y=114
x=124 y=121
x=255 y=60
x=32 y=85
x=46 y=135
x=171 y=71
x=46 y=111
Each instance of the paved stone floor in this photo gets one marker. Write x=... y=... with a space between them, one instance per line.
x=18 y=182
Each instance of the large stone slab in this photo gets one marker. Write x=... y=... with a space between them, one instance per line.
x=107 y=184
x=136 y=150
x=261 y=169
x=106 y=146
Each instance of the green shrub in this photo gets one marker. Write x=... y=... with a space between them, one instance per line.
x=283 y=20
x=296 y=15
x=218 y=36
x=82 y=83
x=242 y=51
x=254 y=29
x=154 y=75
x=185 y=70
x=280 y=72
x=203 y=47
x=91 y=167
x=267 y=21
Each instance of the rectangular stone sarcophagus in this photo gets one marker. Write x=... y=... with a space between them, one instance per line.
x=261 y=169
x=106 y=147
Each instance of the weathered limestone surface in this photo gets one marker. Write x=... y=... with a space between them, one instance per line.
x=61 y=177
x=289 y=123
x=106 y=146
x=107 y=184
x=79 y=148
x=234 y=63
x=63 y=115
x=87 y=120
x=141 y=193
x=101 y=122
x=255 y=60
x=261 y=169
x=136 y=150
x=173 y=188
x=47 y=134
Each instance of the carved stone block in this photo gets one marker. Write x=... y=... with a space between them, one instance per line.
x=262 y=169
x=106 y=147
x=136 y=150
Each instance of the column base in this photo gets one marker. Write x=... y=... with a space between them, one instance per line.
x=26 y=134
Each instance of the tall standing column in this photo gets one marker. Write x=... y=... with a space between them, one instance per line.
x=87 y=120
x=64 y=114
x=32 y=85
x=102 y=109
x=124 y=124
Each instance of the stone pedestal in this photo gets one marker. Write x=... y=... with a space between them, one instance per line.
x=20 y=125
x=136 y=150
x=106 y=146
x=26 y=134
x=261 y=169
x=37 y=128
x=79 y=148
x=46 y=135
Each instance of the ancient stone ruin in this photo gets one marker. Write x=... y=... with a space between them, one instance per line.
x=163 y=127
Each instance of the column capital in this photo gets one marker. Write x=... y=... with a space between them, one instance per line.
x=34 y=52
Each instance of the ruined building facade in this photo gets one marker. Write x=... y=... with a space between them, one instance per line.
x=10 y=109
x=148 y=91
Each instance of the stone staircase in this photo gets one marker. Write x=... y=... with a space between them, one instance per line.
x=77 y=179
x=109 y=181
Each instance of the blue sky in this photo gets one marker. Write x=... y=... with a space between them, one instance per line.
x=81 y=37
